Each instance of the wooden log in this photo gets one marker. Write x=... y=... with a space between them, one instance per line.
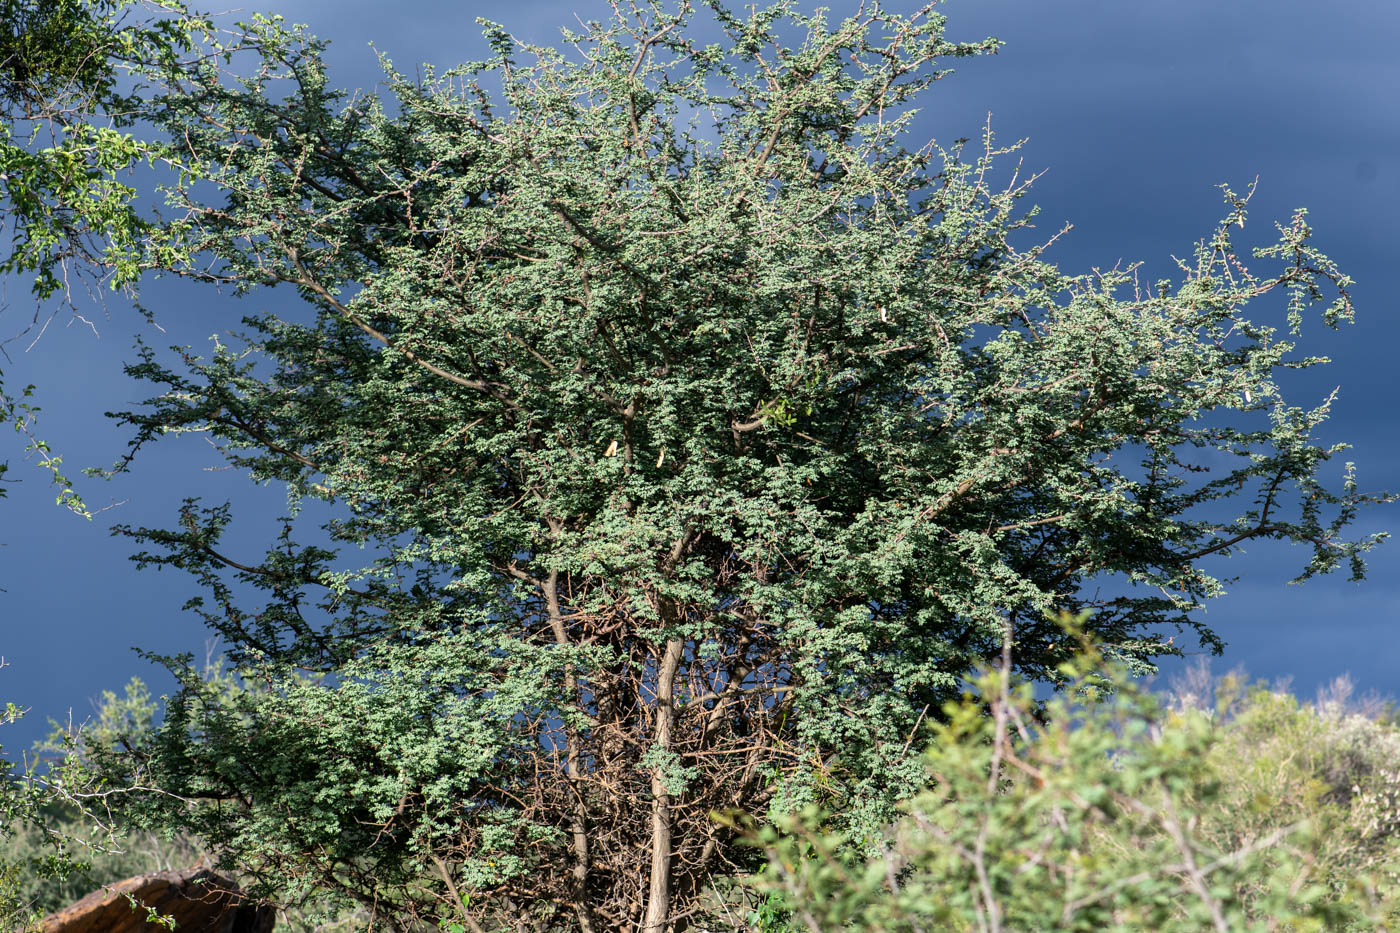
x=199 y=900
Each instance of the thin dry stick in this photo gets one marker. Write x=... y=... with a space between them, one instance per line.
x=456 y=896
x=1003 y=700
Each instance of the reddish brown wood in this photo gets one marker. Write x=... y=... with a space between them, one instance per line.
x=199 y=900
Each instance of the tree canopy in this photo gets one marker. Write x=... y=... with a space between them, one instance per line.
x=684 y=435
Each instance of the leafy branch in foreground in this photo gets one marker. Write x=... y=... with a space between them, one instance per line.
x=1099 y=810
x=70 y=88
x=76 y=822
x=67 y=103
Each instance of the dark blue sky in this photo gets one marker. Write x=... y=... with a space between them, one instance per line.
x=1135 y=109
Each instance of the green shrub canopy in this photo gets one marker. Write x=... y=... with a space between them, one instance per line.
x=1102 y=811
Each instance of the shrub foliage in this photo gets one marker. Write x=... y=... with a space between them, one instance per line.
x=1101 y=810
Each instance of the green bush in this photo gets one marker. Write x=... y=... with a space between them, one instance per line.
x=34 y=855
x=94 y=859
x=72 y=843
x=15 y=810
x=1101 y=809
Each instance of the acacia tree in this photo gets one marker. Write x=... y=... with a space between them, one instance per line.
x=700 y=436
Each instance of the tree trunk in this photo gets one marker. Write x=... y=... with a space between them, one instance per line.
x=578 y=821
x=659 y=892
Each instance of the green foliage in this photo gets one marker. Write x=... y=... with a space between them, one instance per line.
x=64 y=149
x=36 y=855
x=16 y=812
x=60 y=64
x=688 y=437
x=74 y=842
x=22 y=415
x=1100 y=810
x=62 y=145
x=57 y=846
x=94 y=858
